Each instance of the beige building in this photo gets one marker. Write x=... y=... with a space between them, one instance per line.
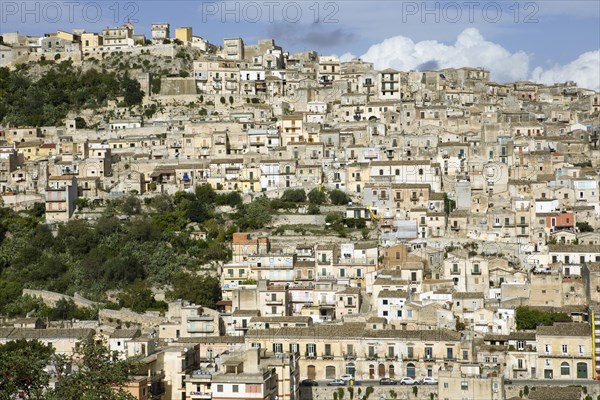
x=467 y=382
x=564 y=351
x=367 y=351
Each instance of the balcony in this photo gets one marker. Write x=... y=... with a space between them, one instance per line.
x=371 y=357
x=327 y=356
x=203 y=317
x=310 y=356
x=349 y=356
x=455 y=228
x=391 y=357
x=455 y=272
x=476 y=272
x=271 y=302
x=200 y=395
x=326 y=304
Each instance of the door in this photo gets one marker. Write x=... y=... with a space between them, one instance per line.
x=582 y=372
x=350 y=369
x=311 y=372
x=381 y=371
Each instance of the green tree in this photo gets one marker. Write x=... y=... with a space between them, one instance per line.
x=131 y=205
x=205 y=194
x=584 y=226
x=256 y=215
x=449 y=204
x=201 y=290
x=162 y=203
x=137 y=296
x=197 y=212
x=294 y=195
x=313 y=209
x=22 y=364
x=530 y=318
x=316 y=196
x=101 y=373
x=131 y=91
x=338 y=197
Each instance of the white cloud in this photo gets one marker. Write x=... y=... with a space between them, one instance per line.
x=471 y=49
x=347 y=57
x=585 y=70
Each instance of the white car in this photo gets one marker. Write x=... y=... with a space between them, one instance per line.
x=346 y=378
x=408 y=381
x=429 y=380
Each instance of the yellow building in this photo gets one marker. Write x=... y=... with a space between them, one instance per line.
x=184 y=34
x=90 y=41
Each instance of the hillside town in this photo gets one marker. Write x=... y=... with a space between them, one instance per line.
x=448 y=248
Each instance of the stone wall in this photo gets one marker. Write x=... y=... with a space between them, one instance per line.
x=592 y=389
x=125 y=316
x=51 y=298
x=360 y=392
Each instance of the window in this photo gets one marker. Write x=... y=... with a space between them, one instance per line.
x=277 y=348
x=235 y=388
x=371 y=351
x=565 y=369
x=564 y=349
x=385 y=302
x=220 y=388
x=581 y=349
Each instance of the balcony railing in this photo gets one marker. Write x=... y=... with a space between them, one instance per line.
x=455 y=272
x=349 y=356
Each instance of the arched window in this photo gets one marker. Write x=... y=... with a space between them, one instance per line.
x=410 y=370
x=391 y=371
x=371 y=372
x=330 y=372
x=565 y=369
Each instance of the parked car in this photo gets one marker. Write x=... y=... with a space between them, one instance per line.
x=346 y=378
x=429 y=380
x=388 y=381
x=408 y=381
x=309 y=382
x=337 y=382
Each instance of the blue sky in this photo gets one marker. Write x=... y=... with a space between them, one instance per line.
x=551 y=32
